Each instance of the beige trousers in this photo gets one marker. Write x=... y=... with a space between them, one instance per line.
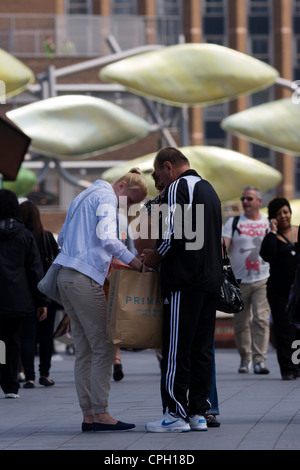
x=252 y=325
x=85 y=303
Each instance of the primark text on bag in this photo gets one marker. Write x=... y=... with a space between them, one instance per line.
x=134 y=309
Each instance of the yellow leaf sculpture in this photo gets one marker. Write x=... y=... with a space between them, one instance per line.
x=191 y=74
x=275 y=125
x=15 y=75
x=24 y=183
x=228 y=171
x=77 y=126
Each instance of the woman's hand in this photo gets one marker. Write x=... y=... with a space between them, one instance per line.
x=136 y=264
x=273 y=225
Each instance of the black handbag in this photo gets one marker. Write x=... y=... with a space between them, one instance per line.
x=230 y=300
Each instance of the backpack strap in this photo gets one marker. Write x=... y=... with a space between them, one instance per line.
x=234 y=225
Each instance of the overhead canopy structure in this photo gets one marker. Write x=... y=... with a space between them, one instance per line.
x=275 y=125
x=228 y=171
x=14 y=75
x=191 y=74
x=77 y=126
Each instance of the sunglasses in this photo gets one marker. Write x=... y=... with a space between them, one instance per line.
x=247 y=198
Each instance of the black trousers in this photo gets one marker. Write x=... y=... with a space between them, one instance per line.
x=10 y=332
x=284 y=332
x=38 y=332
x=188 y=356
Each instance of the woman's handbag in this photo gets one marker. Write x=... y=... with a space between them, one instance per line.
x=230 y=300
x=48 y=285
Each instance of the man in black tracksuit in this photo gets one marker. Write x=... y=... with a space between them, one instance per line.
x=190 y=257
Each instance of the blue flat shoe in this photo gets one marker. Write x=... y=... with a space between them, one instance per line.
x=119 y=426
x=87 y=427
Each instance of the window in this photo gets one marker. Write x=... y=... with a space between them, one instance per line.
x=79 y=7
x=263 y=154
x=296 y=7
x=260 y=47
x=168 y=7
x=296 y=16
x=214 y=20
x=259 y=6
x=124 y=7
x=213 y=7
x=297 y=50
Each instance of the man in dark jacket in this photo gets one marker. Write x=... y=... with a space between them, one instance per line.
x=189 y=252
x=20 y=271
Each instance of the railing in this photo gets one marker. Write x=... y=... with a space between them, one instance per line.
x=82 y=35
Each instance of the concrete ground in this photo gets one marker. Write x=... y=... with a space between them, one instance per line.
x=257 y=412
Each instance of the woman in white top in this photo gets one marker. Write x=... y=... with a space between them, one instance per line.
x=88 y=241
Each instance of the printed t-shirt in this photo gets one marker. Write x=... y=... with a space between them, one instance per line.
x=245 y=260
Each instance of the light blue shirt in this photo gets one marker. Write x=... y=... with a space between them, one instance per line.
x=88 y=238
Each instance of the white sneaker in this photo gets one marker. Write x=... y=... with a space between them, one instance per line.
x=245 y=366
x=168 y=423
x=260 y=368
x=12 y=395
x=198 y=423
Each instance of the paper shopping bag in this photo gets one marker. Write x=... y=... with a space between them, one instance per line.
x=134 y=309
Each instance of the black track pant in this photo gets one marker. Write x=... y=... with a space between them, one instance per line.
x=187 y=363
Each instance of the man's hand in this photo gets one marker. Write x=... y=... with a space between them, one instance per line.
x=42 y=313
x=151 y=258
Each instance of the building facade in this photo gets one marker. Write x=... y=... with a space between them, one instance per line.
x=266 y=29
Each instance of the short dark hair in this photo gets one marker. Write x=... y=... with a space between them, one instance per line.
x=9 y=205
x=172 y=155
x=276 y=204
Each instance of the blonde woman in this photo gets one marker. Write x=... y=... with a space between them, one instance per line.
x=88 y=241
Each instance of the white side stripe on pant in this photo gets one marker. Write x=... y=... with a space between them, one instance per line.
x=171 y=368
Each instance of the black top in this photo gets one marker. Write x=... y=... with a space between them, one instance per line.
x=20 y=271
x=283 y=258
x=191 y=263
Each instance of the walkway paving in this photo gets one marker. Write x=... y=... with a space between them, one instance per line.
x=257 y=412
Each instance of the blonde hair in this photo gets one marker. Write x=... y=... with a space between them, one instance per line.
x=135 y=180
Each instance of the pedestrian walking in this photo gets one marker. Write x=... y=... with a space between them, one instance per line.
x=39 y=335
x=280 y=249
x=20 y=271
x=243 y=236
